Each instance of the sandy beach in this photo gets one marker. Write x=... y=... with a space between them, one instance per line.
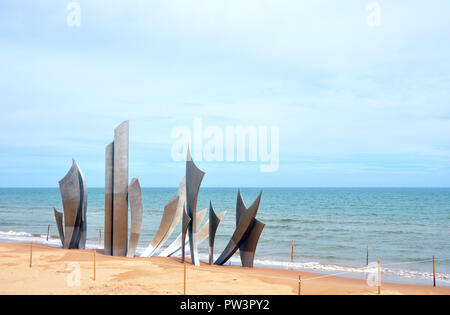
x=53 y=271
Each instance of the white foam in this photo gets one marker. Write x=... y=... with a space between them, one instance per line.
x=13 y=236
x=13 y=233
x=337 y=269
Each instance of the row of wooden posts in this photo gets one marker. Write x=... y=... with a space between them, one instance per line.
x=292 y=261
x=367 y=264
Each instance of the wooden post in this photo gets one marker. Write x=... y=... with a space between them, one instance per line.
x=184 y=290
x=379 y=277
x=99 y=235
x=367 y=257
x=95 y=263
x=48 y=231
x=299 y=285
x=434 y=271
x=31 y=254
x=292 y=252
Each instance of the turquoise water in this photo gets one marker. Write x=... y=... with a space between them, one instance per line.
x=331 y=227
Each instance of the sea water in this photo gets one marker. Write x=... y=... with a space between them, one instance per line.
x=331 y=227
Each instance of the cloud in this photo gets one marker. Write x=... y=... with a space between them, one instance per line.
x=338 y=89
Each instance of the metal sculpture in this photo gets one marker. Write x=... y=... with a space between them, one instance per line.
x=59 y=224
x=168 y=215
x=194 y=177
x=109 y=170
x=120 y=190
x=175 y=246
x=178 y=213
x=171 y=216
x=245 y=219
x=83 y=229
x=201 y=235
x=247 y=246
x=214 y=222
x=184 y=229
x=116 y=196
x=74 y=197
x=137 y=208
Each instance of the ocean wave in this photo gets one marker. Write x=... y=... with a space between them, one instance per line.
x=342 y=270
x=24 y=237
x=13 y=233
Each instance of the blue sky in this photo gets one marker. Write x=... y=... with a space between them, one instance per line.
x=356 y=105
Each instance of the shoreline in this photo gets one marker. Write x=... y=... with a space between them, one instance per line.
x=390 y=273
x=54 y=269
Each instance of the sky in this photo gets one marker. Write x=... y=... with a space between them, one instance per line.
x=357 y=104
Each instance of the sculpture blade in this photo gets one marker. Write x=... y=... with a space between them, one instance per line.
x=240 y=206
x=71 y=195
x=83 y=224
x=137 y=209
x=247 y=246
x=245 y=223
x=194 y=177
x=214 y=222
x=171 y=216
x=184 y=229
x=109 y=170
x=175 y=246
x=120 y=186
x=202 y=234
x=178 y=213
x=59 y=224
x=168 y=215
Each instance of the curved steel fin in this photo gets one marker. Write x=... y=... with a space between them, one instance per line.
x=194 y=177
x=137 y=209
x=175 y=246
x=240 y=206
x=59 y=224
x=167 y=217
x=214 y=222
x=184 y=228
x=247 y=246
x=178 y=214
x=202 y=234
x=72 y=198
x=171 y=216
x=245 y=223
x=83 y=224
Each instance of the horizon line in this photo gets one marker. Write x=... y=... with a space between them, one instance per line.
x=256 y=187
